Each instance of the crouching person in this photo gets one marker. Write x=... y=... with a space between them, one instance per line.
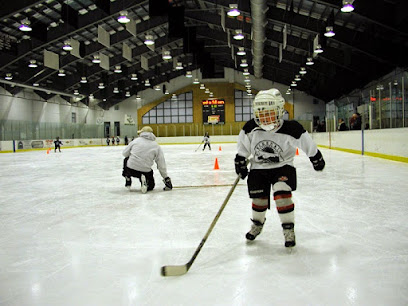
x=140 y=155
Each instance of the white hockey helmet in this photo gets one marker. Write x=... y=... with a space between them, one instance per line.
x=268 y=107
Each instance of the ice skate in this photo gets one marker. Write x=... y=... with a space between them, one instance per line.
x=289 y=233
x=144 y=184
x=256 y=229
x=128 y=182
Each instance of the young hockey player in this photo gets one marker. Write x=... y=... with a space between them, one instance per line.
x=140 y=155
x=206 y=141
x=58 y=144
x=272 y=143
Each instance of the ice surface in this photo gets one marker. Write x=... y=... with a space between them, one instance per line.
x=72 y=234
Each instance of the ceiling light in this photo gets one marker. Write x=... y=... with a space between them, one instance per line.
x=33 y=64
x=166 y=55
x=76 y=92
x=149 y=40
x=91 y=96
x=83 y=80
x=25 y=25
x=157 y=87
x=241 y=51
x=166 y=92
x=329 y=32
x=116 y=90
x=347 y=6
x=246 y=71
x=147 y=83
x=302 y=70
x=249 y=94
x=202 y=86
x=138 y=98
x=179 y=66
x=288 y=92
x=127 y=94
x=293 y=84
x=96 y=59
x=9 y=76
x=133 y=77
x=309 y=61
x=238 y=35
x=233 y=12
x=67 y=46
x=61 y=73
x=174 y=97
x=297 y=77
x=118 y=69
x=211 y=95
x=318 y=49
x=196 y=81
x=244 y=63
x=36 y=84
x=247 y=80
x=207 y=90
x=101 y=86
x=189 y=74
x=123 y=18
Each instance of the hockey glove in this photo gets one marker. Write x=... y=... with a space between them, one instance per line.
x=167 y=182
x=241 y=166
x=318 y=161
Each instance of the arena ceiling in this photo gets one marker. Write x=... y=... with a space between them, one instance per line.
x=279 y=37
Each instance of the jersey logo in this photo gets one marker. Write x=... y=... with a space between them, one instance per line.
x=267 y=151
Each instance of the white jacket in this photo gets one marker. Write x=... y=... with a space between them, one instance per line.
x=143 y=152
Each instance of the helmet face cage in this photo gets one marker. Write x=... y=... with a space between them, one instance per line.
x=268 y=107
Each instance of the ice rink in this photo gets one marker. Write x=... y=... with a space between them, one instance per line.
x=72 y=234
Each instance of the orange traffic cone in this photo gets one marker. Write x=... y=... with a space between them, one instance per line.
x=297 y=151
x=48 y=151
x=219 y=149
x=216 y=167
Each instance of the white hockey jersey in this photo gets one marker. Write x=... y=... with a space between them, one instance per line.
x=143 y=152
x=274 y=149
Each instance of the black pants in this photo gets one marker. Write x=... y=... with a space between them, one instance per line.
x=128 y=173
x=207 y=144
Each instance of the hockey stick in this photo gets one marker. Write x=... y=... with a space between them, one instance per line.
x=183 y=269
x=198 y=147
x=202 y=186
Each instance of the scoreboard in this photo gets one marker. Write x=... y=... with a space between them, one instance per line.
x=213 y=111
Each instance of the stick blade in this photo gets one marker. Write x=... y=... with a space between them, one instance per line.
x=174 y=270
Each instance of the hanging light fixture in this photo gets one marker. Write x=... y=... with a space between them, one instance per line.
x=157 y=87
x=147 y=83
x=244 y=63
x=9 y=76
x=196 y=81
x=133 y=77
x=118 y=69
x=241 y=51
x=293 y=84
x=83 y=80
x=61 y=73
x=246 y=71
x=233 y=11
x=115 y=90
x=329 y=32
x=33 y=64
x=166 y=55
x=318 y=49
x=347 y=6
x=302 y=70
x=123 y=18
x=76 y=92
x=179 y=66
x=67 y=46
x=149 y=40
x=202 y=86
x=238 y=34
x=138 y=98
x=96 y=59
x=189 y=74
x=101 y=86
x=309 y=61
x=25 y=26
x=127 y=94
x=297 y=77
x=36 y=84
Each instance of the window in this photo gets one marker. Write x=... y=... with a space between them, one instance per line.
x=173 y=110
x=243 y=106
